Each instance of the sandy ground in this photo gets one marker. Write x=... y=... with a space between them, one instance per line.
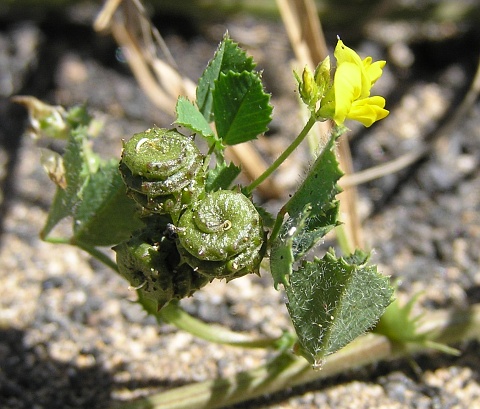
x=70 y=335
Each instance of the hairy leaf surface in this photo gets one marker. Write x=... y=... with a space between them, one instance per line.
x=76 y=176
x=332 y=301
x=105 y=216
x=312 y=213
x=221 y=177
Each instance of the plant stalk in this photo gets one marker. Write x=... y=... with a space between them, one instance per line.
x=286 y=370
x=174 y=314
x=93 y=251
x=99 y=255
x=275 y=165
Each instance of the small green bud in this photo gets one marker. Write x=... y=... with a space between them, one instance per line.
x=322 y=76
x=309 y=88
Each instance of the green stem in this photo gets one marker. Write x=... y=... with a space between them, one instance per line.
x=343 y=241
x=99 y=255
x=286 y=371
x=93 y=251
x=174 y=314
x=277 y=226
x=274 y=166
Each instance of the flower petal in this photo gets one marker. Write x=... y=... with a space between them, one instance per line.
x=368 y=110
x=374 y=71
x=347 y=86
x=345 y=54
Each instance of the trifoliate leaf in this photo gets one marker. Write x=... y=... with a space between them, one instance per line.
x=105 y=216
x=242 y=108
x=221 y=176
x=228 y=57
x=91 y=192
x=331 y=302
x=190 y=117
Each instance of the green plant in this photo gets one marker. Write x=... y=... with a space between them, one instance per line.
x=176 y=223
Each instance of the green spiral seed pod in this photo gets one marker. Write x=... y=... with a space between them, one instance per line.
x=163 y=170
x=150 y=262
x=222 y=236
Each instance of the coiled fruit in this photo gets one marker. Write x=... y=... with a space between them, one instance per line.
x=190 y=236
x=222 y=236
x=151 y=263
x=163 y=170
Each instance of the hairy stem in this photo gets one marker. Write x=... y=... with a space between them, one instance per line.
x=286 y=370
x=177 y=316
x=275 y=165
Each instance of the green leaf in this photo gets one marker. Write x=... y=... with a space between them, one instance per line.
x=332 y=301
x=228 y=57
x=315 y=196
x=267 y=217
x=312 y=228
x=242 y=108
x=77 y=116
x=221 y=177
x=77 y=170
x=190 y=117
x=320 y=186
x=105 y=216
x=94 y=195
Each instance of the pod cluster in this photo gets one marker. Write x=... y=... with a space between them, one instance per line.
x=190 y=236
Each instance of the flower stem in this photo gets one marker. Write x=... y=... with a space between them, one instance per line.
x=275 y=165
x=174 y=314
x=286 y=370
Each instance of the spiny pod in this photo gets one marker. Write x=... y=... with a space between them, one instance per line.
x=150 y=262
x=163 y=170
x=222 y=236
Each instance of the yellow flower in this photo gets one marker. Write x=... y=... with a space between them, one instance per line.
x=352 y=83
